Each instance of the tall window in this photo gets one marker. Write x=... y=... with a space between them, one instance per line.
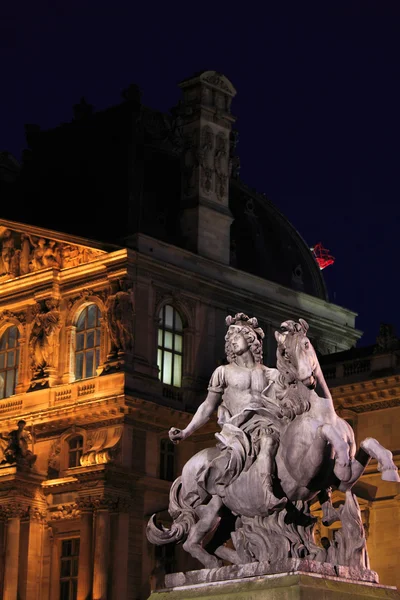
x=167 y=460
x=170 y=338
x=75 y=449
x=87 y=350
x=69 y=569
x=9 y=357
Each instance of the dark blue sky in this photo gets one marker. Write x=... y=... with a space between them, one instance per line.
x=317 y=105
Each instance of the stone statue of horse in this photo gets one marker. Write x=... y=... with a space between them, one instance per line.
x=317 y=452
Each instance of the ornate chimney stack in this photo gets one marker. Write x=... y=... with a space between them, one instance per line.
x=206 y=127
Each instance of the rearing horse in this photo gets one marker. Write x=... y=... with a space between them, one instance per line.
x=316 y=451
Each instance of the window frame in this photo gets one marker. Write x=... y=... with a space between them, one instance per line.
x=6 y=352
x=73 y=558
x=84 y=351
x=175 y=332
x=74 y=451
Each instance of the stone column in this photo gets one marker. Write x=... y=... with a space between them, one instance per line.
x=54 y=566
x=101 y=554
x=11 y=562
x=85 y=554
x=69 y=369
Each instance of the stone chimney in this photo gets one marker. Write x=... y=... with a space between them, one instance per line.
x=206 y=127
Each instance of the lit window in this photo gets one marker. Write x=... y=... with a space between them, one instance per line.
x=9 y=358
x=69 y=569
x=167 y=460
x=170 y=340
x=87 y=349
x=75 y=449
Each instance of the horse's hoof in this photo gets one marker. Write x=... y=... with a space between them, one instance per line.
x=391 y=475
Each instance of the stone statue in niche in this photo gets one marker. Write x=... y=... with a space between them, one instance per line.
x=15 y=448
x=281 y=446
x=43 y=336
x=119 y=317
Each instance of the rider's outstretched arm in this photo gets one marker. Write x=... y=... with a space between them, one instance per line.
x=202 y=414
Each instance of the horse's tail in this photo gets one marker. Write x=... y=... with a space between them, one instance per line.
x=183 y=515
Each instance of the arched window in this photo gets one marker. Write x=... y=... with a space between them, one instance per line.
x=170 y=342
x=167 y=460
x=87 y=349
x=9 y=358
x=75 y=450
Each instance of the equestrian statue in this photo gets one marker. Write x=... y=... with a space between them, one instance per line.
x=281 y=447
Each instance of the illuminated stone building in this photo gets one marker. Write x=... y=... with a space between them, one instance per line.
x=112 y=318
x=365 y=385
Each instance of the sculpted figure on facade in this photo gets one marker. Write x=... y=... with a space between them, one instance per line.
x=119 y=317
x=15 y=448
x=43 y=336
x=8 y=253
x=281 y=446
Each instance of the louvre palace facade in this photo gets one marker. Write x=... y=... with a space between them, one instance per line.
x=112 y=319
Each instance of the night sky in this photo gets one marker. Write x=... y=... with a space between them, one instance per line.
x=318 y=107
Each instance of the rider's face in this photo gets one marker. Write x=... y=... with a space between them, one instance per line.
x=239 y=343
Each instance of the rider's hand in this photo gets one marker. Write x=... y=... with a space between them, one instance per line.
x=176 y=435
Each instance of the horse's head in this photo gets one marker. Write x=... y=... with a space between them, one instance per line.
x=295 y=356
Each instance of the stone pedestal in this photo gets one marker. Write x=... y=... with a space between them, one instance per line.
x=256 y=582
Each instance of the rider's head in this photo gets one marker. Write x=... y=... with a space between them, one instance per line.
x=249 y=329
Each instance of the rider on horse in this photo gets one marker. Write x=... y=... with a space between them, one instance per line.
x=247 y=435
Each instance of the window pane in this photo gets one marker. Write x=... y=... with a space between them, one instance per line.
x=89 y=363
x=160 y=332
x=12 y=337
x=80 y=338
x=10 y=383
x=3 y=341
x=168 y=340
x=178 y=343
x=66 y=548
x=167 y=368
x=2 y=357
x=81 y=321
x=169 y=316
x=92 y=315
x=90 y=339
x=97 y=358
x=11 y=358
x=64 y=590
x=79 y=366
x=177 y=370
x=65 y=568
x=2 y=376
x=178 y=321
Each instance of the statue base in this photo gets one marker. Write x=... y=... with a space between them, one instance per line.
x=296 y=579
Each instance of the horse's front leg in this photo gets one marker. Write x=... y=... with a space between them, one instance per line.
x=341 y=447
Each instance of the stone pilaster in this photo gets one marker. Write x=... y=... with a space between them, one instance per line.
x=85 y=553
x=11 y=562
x=101 y=554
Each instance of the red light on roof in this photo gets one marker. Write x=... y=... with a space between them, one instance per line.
x=322 y=256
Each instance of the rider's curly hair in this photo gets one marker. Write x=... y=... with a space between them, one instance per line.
x=255 y=344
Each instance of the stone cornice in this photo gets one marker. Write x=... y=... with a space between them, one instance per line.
x=366 y=396
x=169 y=262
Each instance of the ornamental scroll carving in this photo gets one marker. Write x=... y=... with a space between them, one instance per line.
x=22 y=253
x=104 y=447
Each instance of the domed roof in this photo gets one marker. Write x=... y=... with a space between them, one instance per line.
x=265 y=243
